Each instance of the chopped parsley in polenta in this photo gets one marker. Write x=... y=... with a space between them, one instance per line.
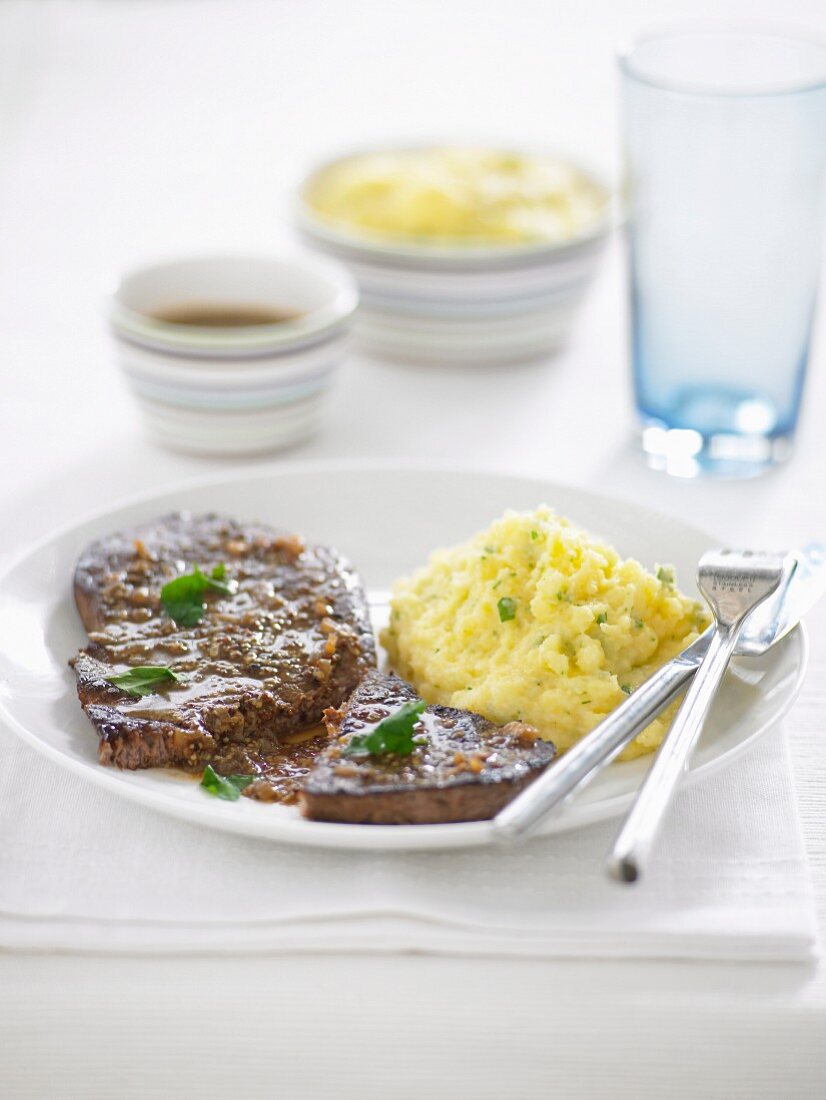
x=535 y=620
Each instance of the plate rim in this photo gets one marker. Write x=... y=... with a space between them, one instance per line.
x=300 y=831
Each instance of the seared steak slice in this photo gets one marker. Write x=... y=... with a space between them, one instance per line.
x=292 y=640
x=467 y=770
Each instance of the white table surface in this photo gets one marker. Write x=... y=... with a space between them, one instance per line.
x=138 y=129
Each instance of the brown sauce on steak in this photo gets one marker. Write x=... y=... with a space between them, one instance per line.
x=281 y=774
x=465 y=768
x=264 y=662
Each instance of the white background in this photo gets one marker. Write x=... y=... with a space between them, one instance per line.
x=133 y=129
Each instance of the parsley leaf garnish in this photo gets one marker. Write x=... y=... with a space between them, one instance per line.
x=665 y=574
x=228 y=787
x=394 y=734
x=143 y=679
x=602 y=617
x=507 y=609
x=183 y=598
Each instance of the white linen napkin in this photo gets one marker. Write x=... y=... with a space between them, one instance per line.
x=81 y=869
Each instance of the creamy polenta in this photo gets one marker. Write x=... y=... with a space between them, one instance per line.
x=456 y=194
x=534 y=619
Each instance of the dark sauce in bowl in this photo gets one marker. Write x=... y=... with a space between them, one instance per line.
x=222 y=315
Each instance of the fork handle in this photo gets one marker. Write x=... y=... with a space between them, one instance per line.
x=641 y=826
x=521 y=817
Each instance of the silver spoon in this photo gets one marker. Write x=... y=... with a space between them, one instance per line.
x=734 y=583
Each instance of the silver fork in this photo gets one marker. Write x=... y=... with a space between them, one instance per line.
x=734 y=583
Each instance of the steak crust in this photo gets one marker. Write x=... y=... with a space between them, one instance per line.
x=263 y=663
x=467 y=769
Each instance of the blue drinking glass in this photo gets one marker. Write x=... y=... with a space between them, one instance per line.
x=725 y=149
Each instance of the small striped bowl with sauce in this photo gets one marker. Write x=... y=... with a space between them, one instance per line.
x=232 y=355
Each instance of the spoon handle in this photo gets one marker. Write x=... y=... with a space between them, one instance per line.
x=641 y=826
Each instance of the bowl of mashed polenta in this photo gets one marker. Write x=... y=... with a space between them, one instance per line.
x=536 y=620
x=457 y=199
x=472 y=254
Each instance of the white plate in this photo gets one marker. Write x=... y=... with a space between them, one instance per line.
x=386 y=521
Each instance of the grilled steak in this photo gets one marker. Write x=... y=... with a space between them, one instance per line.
x=466 y=770
x=263 y=663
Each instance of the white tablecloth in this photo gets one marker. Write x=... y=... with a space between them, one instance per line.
x=83 y=870
x=137 y=129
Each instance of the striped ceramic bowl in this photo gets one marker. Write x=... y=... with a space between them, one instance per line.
x=463 y=303
x=241 y=388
